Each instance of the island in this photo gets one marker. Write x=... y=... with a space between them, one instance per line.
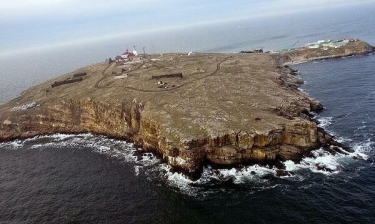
x=191 y=109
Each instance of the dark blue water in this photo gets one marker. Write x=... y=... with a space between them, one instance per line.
x=92 y=179
x=352 y=81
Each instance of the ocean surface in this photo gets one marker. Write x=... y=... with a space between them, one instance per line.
x=92 y=179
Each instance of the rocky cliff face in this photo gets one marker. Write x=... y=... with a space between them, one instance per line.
x=126 y=120
x=226 y=110
x=74 y=116
x=290 y=142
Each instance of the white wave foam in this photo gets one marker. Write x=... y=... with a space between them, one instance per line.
x=55 y=140
x=59 y=137
x=247 y=173
x=327 y=163
x=136 y=170
x=114 y=148
x=321 y=161
x=212 y=177
x=365 y=147
x=37 y=146
x=324 y=121
x=100 y=144
x=147 y=163
x=103 y=149
x=362 y=150
x=303 y=91
x=148 y=159
x=175 y=179
x=12 y=145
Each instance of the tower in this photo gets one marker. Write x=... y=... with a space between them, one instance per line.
x=134 y=51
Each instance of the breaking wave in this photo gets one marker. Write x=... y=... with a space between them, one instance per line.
x=324 y=122
x=257 y=177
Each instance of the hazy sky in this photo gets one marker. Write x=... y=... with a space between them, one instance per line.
x=33 y=23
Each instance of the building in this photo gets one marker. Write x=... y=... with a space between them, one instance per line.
x=327 y=44
x=127 y=55
x=313 y=46
x=135 y=53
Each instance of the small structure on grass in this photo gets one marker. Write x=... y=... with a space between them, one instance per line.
x=173 y=75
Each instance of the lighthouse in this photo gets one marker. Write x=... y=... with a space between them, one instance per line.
x=135 y=51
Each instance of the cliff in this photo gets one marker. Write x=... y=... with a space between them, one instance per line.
x=226 y=109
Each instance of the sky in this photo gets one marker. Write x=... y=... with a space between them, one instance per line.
x=28 y=24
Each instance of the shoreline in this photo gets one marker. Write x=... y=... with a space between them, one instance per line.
x=225 y=110
x=328 y=57
x=306 y=54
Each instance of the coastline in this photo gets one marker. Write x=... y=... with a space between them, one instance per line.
x=305 y=54
x=196 y=119
x=326 y=57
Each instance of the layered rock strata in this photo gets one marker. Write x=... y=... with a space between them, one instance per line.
x=227 y=109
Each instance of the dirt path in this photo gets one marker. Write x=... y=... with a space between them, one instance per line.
x=106 y=76
x=218 y=66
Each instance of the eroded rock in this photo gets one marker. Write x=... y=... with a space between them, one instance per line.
x=239 y=109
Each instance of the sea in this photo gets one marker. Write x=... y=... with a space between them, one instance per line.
x=88 y=178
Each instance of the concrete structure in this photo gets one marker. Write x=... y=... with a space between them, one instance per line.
x=313 y=46
x=327 y=44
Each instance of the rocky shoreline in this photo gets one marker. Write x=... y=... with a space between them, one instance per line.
x=305 y=55
x=224 y=109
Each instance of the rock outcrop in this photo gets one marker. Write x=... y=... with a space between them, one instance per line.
x=227 y=109
x=355 y=47
x=127 y=120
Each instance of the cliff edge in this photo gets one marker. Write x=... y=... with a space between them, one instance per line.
x=224 y=109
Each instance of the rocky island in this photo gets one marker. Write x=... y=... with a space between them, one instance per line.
x=225 y=109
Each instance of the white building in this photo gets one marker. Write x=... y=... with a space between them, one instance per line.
x=134 y=51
